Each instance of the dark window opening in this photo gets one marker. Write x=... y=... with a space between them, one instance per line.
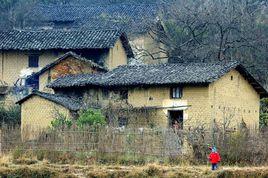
x=33 y=60
x=56 y=53
x=122 y=122
x=124 y=94
x=176 y=92
x=49 y=77
x=105 y=94
x=232 y=77
x=176 y=119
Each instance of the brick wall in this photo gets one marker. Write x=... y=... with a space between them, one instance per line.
x=75 y=66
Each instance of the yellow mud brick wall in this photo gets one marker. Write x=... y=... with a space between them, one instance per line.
x=37 y=114
x=233 y=98
x=117 y=56
x=12 y=62
x=156 y=118
x=198 y=112
x=144 y=44
x=194 y=103
x=72 y=63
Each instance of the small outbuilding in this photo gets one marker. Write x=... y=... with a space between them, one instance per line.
x=38 y=110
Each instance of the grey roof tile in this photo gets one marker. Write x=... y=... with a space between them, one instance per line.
x=137 y=17
x=160 y=74
x=72 y=104
x=62 y=39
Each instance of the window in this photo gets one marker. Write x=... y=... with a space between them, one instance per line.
x=122 y=122
x=49 y=77
x=56 y=53
x=124 y=94
x=176 y=92
x=34 y=60
x=105 y=94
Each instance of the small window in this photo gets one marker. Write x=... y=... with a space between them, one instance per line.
x=176 y=92
x=124 y=94
x=49 y=77
x=34 y=60
x=105 y=94
x=122 y=122
x=232 y=77
x=56 y=53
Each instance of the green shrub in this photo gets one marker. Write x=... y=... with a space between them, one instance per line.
x=10 y=115
x=61 y=122
x=90 y=117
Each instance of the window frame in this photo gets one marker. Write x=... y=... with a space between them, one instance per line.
x=33 y=61
x=105 y=93
x=176 y=92
x=123 y=120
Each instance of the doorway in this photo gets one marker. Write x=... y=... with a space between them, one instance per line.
x=176 y=119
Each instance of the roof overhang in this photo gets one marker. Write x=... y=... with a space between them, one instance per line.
x=252 y=81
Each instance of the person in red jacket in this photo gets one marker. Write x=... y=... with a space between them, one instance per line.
x=214 y=158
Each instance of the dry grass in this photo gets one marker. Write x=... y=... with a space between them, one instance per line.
x=44 y=169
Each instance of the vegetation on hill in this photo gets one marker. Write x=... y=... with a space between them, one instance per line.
x=218 y=30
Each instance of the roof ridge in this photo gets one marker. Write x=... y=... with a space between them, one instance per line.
x=49 y=95
x=181 y=63
x=98 y=5
x=63 y=30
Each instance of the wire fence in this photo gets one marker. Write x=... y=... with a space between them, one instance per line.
x=235 y=147
x=154 y=142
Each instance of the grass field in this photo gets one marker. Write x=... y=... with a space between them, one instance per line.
x=33 y=168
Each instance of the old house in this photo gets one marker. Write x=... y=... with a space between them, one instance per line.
x=33 y=50
x=193 y=94
x=137 y=20
x=68 y=64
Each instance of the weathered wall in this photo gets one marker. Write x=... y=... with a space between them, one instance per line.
x=225 y=99
x=194 y=103
x=12 y=62
x=37 y=114
x=147 y=49
x=233 y=98
x=68 y=66
x=117 y=56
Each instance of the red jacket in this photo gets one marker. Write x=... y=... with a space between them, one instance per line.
x=214 y=157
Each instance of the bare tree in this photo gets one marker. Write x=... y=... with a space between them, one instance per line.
x=210 y=29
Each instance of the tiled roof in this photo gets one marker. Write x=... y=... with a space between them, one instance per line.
x=65 y=101
x=62 y=39
x=160 y=74
x=65 y=56
x=127 y=16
